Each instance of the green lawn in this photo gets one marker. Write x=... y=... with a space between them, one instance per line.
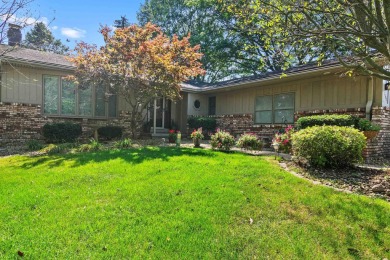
x=178 y=204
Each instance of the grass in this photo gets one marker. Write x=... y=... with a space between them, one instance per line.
x=168 y=203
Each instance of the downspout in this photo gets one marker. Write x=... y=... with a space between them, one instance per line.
x=370 y=98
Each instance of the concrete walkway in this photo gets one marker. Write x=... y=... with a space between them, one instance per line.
x=205 y=144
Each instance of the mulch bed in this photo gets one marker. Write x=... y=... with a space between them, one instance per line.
x=371 y=180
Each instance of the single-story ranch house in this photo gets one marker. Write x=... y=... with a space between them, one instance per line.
x=34 y=92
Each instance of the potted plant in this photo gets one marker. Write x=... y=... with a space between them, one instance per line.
x=172 y=135
x=196 y=136
x=369 y=129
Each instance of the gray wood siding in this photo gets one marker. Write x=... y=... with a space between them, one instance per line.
x=320 y=93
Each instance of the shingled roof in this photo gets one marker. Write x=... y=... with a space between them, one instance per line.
x=37 y=58
x=307 y=68
x=50 y=60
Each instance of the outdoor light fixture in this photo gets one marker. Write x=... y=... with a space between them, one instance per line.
x=178 y=139
x=276 y=148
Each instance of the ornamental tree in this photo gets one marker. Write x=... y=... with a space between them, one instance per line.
x=138 y=64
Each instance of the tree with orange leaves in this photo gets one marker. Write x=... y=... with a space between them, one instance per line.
x=139 y=64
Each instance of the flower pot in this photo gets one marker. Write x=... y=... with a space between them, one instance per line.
x=196 y=142
x=370 y=134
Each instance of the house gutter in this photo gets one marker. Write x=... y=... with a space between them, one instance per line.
x=40 y=64
x=370 y=98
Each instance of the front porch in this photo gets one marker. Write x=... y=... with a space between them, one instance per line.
x=164 y=114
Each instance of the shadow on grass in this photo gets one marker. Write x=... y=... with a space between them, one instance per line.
x=131 y=156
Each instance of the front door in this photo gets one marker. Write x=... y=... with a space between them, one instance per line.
x=163 y=113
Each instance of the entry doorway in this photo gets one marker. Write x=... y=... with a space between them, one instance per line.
x=162 y=113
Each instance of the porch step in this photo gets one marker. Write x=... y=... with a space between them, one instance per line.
x=160 y=130
x=160 y=135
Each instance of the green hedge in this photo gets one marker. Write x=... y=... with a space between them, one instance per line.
x=320 y=120
x=61 y=132
x=329 y=146
x=207 y=123
x=110 y=132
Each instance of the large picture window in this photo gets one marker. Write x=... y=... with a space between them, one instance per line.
x=276 y=109
x=62 y=97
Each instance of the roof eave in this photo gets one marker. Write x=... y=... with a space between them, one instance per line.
x=45 y=65
x=268 y=79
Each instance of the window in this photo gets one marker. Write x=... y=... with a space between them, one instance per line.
x=197 y=104
x=212 y=106
x=63 y=97
x=276 y=109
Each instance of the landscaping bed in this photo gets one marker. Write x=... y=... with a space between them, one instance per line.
x=370 y=180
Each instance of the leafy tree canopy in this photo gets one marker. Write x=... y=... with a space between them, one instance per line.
x=41 y=38
x=223 y=50
x=234 y=41
x=357 y=32
x=140 y=64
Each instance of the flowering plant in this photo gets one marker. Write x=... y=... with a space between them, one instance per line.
x=197 y=134
x=172 y=135
x=249 y=141
x=284 y=139
x=222 y=140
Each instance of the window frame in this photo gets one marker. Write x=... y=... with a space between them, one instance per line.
x=274 y=110
x=60 y=78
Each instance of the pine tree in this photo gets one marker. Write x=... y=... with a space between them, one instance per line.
x=121 y=23
x=41 y=38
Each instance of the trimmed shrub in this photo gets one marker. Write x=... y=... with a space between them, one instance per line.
x=109 y=132
x=34 y=145
x=206 y=123
x=329 y=146
x=320 y=120
x=249 y=141
x=61 y=132
x=222 y=140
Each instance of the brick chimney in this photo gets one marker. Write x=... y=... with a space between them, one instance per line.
x=14 y=34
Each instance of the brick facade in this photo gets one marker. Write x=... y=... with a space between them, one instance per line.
x=377 y=147
x=22 y=122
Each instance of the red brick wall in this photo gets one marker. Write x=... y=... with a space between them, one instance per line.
x=379 y=147
x=20 y=123
x=376 y=148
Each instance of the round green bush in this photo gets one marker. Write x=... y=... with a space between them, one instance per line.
x=61 y=132
x=109 y=132
x=329 y=146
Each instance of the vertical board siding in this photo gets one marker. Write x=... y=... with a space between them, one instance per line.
x=319 y=93
x=24 y=84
